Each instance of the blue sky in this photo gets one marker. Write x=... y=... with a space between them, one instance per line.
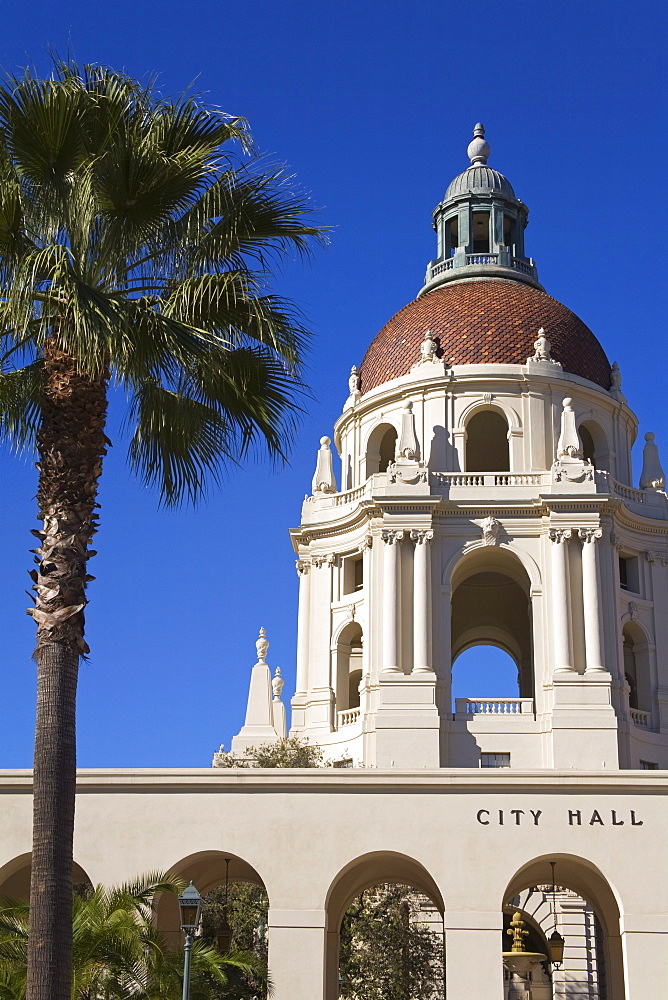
x=372 y=105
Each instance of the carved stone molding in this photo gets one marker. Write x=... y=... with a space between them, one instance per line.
x=490 y=531
x=421 y=537
x=323 y=560
x=391 y=535
x=560 y=534
x=590 y=534
x=302 y=566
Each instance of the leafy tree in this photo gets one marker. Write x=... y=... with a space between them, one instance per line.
x=386 y=951
x=118 y=952
x=235 y=917
x=293 y=751
x=134 y=252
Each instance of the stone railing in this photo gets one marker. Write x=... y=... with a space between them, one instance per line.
x=640 y=718
x=348 y=717
x=628 y=492
x=488 y=478
x=494 y=706
x=481 y=260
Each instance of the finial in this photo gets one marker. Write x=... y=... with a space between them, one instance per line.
x=323 y=480
x=569 y=444
x=408 y=446
x=615 y=377
x=354 y=381
x=652 y=476
x=262 y=645
x=277 y=684
x=478 y=150
x=542 y=347
x=428 y=348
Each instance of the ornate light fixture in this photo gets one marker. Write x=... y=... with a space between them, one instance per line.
x=190 y=909
x=555 y=942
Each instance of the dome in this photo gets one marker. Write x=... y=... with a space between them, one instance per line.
x=484 y=322
x=479 y=178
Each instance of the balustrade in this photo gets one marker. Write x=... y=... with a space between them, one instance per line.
x=494 y=706
x=348 y=717
x=640 y=718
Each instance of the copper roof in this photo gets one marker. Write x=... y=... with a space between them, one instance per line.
x=484 y=322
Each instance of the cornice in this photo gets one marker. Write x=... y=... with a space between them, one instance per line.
x=395 y=781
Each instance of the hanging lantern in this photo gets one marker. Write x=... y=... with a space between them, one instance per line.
x=555 y=945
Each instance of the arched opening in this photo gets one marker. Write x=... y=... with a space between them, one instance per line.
x=487 y=443
x=637 y=671
x=594 y=444
x=15 y=877
x=385 y=920
x=484 y=670
x=491 y=607
x=210 y=870
x=348 y=668
x=380 y=449
x=583 y=910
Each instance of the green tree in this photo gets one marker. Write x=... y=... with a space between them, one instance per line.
x=387 y=952
x=134 y=252
x=118 y=952
x=293 y=751
x=235 y=917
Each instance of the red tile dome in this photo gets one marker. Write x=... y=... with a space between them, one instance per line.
x=484 y=322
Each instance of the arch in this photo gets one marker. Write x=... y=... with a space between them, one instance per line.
x=348 y=666
x=491 y=605
x=207 y=869
x=499 y=406
x=637 y=671
x=521 y=565
x=15 y=876
x=595 y=445
x=362 y=873
x=487 y=442
x=586 y=879
x=380 y=448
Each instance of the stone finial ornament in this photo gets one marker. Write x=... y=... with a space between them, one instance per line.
x=569 y=444
x=652 y=476
x=478 y=150
x=615 y=377
x=428 y=349
x=354 y=381
x=408 y=446
x=262 y=645
x=277 y=684
x=542 y=347
x=323 y=480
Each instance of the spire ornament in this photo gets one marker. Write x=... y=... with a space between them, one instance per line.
x=652 y=476
x=478 y=150
x=323 y=480
x=571 y=466
x=354 y=381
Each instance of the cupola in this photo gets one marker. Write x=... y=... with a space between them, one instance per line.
x=480 y=226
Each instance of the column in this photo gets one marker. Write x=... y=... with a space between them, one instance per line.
x=422 y=601
x=391 y=594
x=297 y=940
x=303 y=569
x=560 y=616
x=590 y=598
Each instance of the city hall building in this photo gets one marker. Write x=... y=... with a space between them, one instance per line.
x=486 y=497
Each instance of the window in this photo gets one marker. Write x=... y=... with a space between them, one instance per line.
x=648 y=765
x=481 y=232
x=353 y=574
x=452 y=236
x=508 y=232
x=495 y=760
x=628 y=573
x=487 y=443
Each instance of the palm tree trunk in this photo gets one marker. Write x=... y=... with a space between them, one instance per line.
x=71 y=446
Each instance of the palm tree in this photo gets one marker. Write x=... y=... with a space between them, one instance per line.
x=118 y=952
x=134 y=252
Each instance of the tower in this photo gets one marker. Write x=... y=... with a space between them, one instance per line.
x=486 y=498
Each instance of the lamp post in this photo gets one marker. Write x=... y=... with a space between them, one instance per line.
x=190 y=908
